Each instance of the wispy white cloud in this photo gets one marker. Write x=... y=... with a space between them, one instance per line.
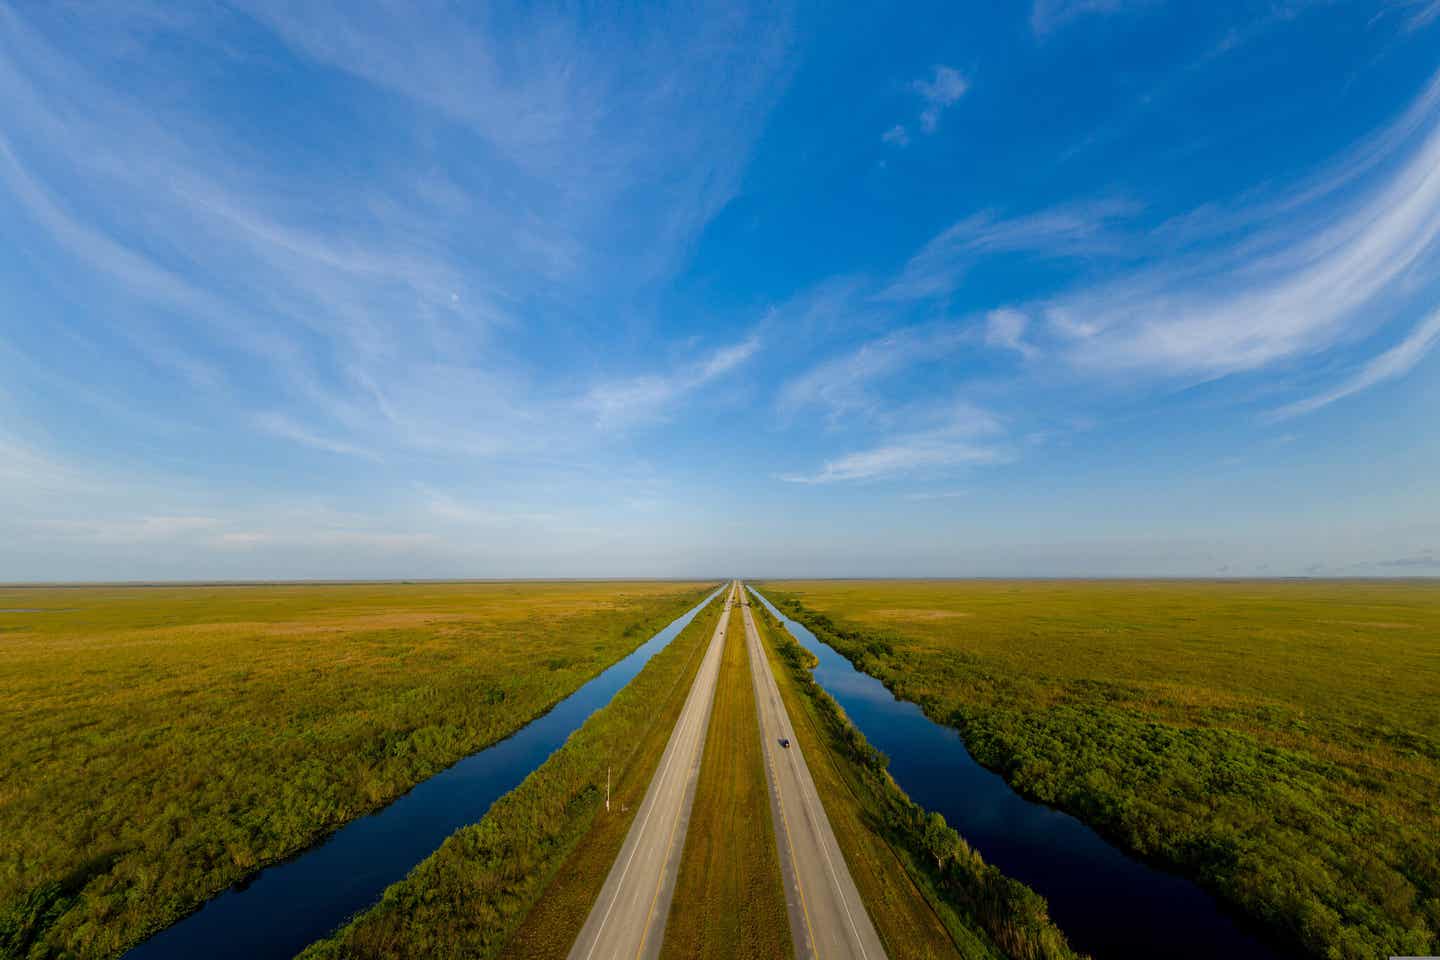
x=26 y=469
x=136 y=273
x=726 y=359
x=941 y=90
x=1005 y=328
x=69 y=518
x=351 y=293
x=1224 y=293
x=253 y=284
x=326 y=539
x=1075 y=230
x=938 y=92
x=453 y=510
x=843 y=386
x=1297 y=289
x=928 y=495
x=280 y=425
x=59 y=503
x=967 y=438
x=897 y=136
x=83 y=517
x=141 y=530
x=633 y=400
x=897 y=458
x=1289 y=275
x=1046 y=16
x=1425 y=13
x=1390 y=365
x=595 y=118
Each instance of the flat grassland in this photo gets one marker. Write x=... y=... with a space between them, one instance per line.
x=521 y=882
x=729 y=898
x=164 y=742
x=1279 y=741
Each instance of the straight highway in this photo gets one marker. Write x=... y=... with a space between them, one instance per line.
x=628 y=918
x=827 y=918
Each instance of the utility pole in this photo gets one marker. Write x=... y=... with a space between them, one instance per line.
x=607 y=788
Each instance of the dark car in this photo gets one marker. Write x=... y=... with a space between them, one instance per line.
x=785 y=742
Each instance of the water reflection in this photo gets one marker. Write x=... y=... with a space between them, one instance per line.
x=1108 y=904
x=281 y=910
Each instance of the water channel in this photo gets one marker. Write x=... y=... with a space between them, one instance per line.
x=285 y=907
x=1108 y=903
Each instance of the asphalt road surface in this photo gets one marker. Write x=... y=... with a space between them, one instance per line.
x=628 y=918
x=827 y=919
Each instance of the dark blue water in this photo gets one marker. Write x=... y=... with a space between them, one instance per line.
x=1109 y=904
x=286 y=907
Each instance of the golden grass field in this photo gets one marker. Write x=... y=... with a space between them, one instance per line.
x=520 y=882
x=164 y=742
x=1277 y=740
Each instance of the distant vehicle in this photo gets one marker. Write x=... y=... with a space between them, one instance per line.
x=785 y=742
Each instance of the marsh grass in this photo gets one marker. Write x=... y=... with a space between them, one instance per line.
x=1279 y=742
x=165 y=742
x=521 y=881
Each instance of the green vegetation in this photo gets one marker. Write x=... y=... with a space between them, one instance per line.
x=729 y=898
x=163 y=743
x=928 y=893
x=550 y=836
x=1277 y=741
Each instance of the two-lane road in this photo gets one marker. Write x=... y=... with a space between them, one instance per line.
x=628 y=918
x=827 y=918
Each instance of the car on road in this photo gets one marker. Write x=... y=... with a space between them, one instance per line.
x=785 y=742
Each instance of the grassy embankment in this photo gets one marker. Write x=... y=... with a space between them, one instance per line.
x=729 y=899
x=927 y=892
x=1277 y=741
x=522 y=880
x=163 y=743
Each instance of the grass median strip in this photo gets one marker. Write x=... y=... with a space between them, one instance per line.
x=166 y=742
x=520 y=882
x=729 y=899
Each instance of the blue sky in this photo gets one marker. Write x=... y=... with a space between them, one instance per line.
x=1067 y=287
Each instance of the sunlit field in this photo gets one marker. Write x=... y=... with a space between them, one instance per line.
x=1279 y=741
x=929 y=895
x=162 y=743
x=520 y=883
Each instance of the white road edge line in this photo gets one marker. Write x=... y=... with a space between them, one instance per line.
x=630 y=859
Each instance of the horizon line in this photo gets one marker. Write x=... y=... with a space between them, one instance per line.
x=401 y=581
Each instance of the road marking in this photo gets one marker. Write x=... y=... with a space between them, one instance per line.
x=825 y=847
x=595 y=941
x=844 y=900
x=670 y=843
x=754 y=637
